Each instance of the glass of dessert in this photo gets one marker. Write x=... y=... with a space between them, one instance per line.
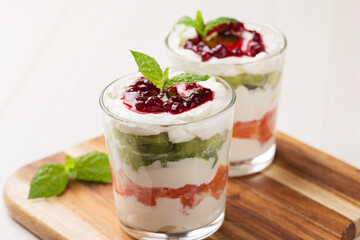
x=250 y=58
x=168 y=136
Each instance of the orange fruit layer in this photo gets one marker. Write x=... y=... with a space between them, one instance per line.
x=190 y=195
x=261 y=130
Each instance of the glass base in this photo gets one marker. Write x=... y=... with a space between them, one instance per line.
x=199 y=233
x=253 y=165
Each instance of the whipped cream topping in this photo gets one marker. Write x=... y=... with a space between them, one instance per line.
x=222 y=97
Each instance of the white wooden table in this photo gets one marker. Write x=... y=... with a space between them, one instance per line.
x=57 y=55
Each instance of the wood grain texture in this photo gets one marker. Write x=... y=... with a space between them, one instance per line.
x=305 y=194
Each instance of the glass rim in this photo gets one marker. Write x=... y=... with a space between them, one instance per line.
x=223 y=110
x=262 y=25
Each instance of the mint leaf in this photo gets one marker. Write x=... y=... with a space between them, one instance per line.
x=188 y=21
x=165 y=78
x=217 y=22
x=198 y=24
x=186 y=78
x=149 y=68
x=69 y=163
x=92 y=167
x=49 y=180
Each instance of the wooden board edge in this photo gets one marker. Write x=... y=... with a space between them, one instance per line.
x=280 y=136
x=21 y=216
x=300 y=185
x=357 y=227
x=350 y=232
x=319 y=167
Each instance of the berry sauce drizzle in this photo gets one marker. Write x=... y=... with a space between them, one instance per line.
x=227 y=40
x=145 y=97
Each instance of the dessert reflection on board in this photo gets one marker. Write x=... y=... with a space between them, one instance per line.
x=168 y=153
x=250 y=58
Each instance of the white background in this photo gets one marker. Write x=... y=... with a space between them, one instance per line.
x=56 y=57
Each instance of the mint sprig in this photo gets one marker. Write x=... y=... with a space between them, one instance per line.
x=152 y=71
x=52 y=178
x=199 y=25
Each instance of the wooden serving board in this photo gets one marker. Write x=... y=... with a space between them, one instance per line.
x=304 y=194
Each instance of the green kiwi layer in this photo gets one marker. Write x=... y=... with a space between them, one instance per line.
x=254 y=80
x=138 y=151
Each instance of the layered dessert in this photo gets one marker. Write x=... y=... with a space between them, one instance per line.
x=168 y=153
x=250 y=58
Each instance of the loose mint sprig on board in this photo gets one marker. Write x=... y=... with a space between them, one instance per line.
x=152 y=71
x=52 y=178
x=199 y=25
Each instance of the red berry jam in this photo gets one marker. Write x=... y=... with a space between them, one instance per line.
x=145 y=97
x=227 y=40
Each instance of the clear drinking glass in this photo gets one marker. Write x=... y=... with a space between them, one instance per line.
x=170 y=181
x=257 y=86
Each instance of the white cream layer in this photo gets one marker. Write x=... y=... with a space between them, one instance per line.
x=177 y=174
x=222 y=97
x=168 y=214
x=254 y=104
x=244 y=149
x=229 y=66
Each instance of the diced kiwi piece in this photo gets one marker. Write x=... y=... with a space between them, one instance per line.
x=156 y=144
x=161 y=139
x=258 y=80
x=189 y=148
x=273 y=78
